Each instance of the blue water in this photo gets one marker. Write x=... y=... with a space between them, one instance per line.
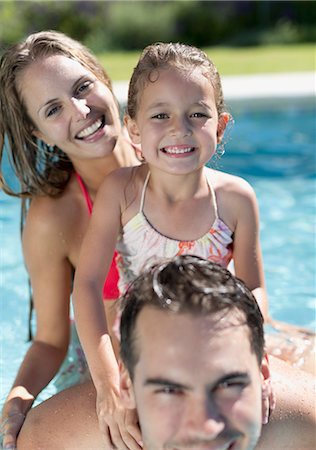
x=273 y=147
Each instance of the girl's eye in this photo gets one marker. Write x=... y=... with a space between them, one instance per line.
x=160 y=116
x=198 y=115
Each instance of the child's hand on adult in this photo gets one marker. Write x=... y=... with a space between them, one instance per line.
x=119 y=426
x=11 y=424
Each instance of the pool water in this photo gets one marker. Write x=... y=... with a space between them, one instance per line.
x=270 y=145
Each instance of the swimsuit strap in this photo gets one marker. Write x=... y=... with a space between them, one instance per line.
x=85 y=192
x=213 y=195
x=142 y=199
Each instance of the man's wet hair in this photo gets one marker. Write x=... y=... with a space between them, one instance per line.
x=188 y=285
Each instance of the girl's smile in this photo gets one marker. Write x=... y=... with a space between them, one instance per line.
x=176 y=120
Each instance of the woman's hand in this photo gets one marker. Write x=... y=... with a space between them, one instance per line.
x=118 y=425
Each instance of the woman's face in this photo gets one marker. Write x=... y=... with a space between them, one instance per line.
x=70 y=107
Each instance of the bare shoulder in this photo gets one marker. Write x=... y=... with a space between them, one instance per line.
x=46 y=212
x=55 y=219
x=292 y=424
x=122 y=185
x=230 y=184
x=120 y=177
x=235 y=197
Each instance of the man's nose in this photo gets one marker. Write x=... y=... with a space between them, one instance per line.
x=203 y=420
x=80 y=107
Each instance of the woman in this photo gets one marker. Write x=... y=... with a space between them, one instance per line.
x=62 y=123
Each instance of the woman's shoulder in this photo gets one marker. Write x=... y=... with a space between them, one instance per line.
x=47 y=214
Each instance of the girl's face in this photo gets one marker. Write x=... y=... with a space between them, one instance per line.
x=177 y=122
x=70 y=107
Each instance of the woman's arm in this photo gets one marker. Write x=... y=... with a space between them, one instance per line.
x=117 y=426
x=50 y=274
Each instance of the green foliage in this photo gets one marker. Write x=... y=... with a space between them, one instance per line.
x=132 y=24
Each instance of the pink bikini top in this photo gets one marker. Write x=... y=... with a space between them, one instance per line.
x=110 y=288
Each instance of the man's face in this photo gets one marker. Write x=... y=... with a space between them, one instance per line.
x=197 y=384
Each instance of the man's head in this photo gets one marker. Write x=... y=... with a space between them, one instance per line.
x=192 y=343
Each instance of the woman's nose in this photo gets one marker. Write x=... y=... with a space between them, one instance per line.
x=80 y=107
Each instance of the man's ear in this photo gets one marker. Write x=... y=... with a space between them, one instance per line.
x=223 y=120
x=267 y=392
x=126 y=388
x=132 y=129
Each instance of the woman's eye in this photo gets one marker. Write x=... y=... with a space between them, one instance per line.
x=53 y=110
x=83 y=87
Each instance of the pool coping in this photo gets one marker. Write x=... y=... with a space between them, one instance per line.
x=252 y=87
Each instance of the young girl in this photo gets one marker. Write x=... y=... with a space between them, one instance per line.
x=171 y=204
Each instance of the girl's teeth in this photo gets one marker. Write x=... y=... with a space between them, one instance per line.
x=176 y=151
x=90 y=130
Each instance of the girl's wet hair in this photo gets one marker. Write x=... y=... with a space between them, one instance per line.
x=161 y=56
x=193 y=285
x=40 y=169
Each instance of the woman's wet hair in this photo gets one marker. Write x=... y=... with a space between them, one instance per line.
x=40 y=169
x=188 y=285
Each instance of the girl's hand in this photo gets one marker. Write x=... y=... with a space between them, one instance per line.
x=11 y=424
x=118 y=425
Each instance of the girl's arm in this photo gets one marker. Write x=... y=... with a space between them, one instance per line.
x=94 y=262
x=247 y=250
x=50 y=274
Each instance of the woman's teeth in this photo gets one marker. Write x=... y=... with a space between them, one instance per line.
x=90 y=130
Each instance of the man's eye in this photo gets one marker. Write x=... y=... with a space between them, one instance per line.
x=160 y=116
x=169 y=390
x=229 y=388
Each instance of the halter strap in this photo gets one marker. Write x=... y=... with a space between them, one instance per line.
x=142 y=199
x=85 y=192
x=213 y=195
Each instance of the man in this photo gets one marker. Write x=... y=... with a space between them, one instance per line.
x=194 y=367
x=194 y=364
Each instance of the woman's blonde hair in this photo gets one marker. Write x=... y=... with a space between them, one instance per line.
x=40 y=169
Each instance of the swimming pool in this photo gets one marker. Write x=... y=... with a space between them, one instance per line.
x=272 y=145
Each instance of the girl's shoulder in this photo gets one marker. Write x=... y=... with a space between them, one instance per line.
x=235 y=196
x=233 y=185
x=123 y=178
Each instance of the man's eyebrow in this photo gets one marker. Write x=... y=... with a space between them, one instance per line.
x=230 y=377
x=165 y=382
